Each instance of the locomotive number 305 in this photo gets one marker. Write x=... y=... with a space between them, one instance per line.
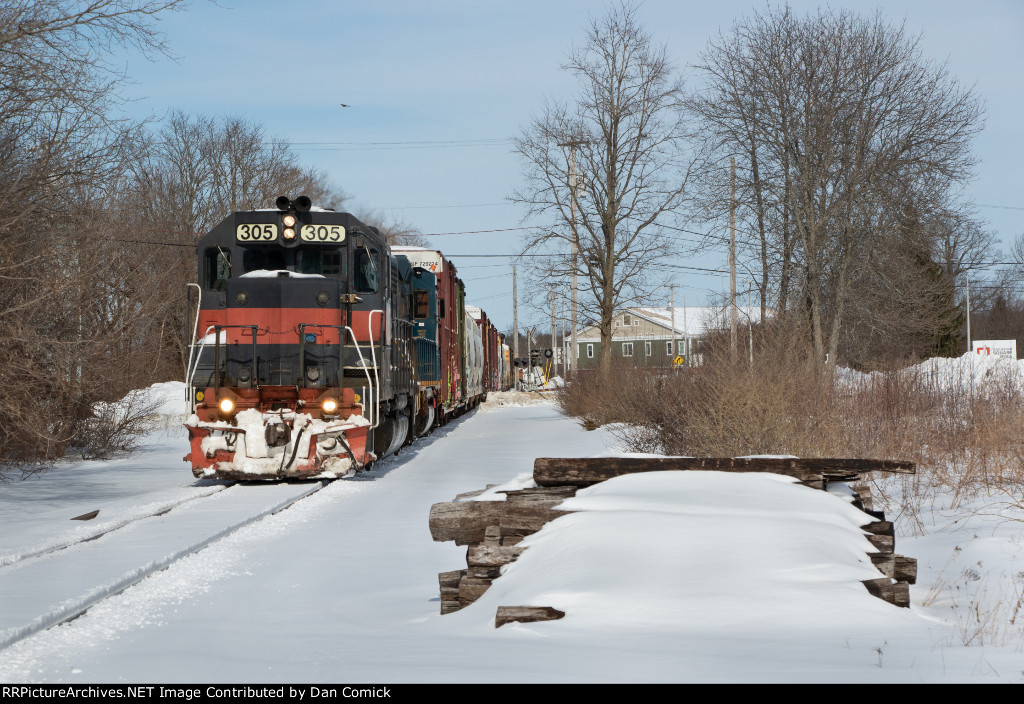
x=322 y=233
x=256 y=233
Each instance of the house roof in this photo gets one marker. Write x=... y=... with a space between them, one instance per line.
x=691 y=321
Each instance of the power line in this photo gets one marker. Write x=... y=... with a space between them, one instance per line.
x=471 y=232
x=424 y=207
x=480 y=256
x=487 y=298
x=484 y=278
x=1004 y=207
x=485 y=140
x=386 y=146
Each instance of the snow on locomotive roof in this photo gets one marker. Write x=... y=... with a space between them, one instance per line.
x=272 y=273
x=312 y=209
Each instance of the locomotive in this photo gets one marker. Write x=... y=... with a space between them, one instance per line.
x=318 y=348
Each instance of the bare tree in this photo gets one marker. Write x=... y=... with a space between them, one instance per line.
x=397 y=232
x=842 y=123
x=622 y=140
x=57 y=94
x=62 y=152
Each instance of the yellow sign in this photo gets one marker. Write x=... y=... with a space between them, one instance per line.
x=200 y=395
x=679 y=361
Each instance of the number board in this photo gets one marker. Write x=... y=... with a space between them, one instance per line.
x=322 y=233
x=256 y=232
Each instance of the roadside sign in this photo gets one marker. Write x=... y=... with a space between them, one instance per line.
x=996 y=348
x=679 y=361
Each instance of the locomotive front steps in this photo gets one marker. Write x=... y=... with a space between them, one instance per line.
x=491 y=530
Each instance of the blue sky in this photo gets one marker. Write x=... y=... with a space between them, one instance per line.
x=417 y=74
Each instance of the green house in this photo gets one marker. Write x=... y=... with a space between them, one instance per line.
x=656 y=337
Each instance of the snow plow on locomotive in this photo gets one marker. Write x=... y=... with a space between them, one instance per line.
x=317 y=350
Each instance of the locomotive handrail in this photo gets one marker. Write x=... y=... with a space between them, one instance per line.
x=191 y=344
x=192 y=367
x=216 y=359
x=373 y=352
x=375 y=418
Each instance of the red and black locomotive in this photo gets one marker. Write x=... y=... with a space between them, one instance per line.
x=318 y=349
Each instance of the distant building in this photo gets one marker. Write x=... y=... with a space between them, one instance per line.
x=646 y=336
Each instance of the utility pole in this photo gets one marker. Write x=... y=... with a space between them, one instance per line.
x=564 y=347
x=750 y=323
x=969 y=347
x=572 y=144
x=732 y=257
x=515 y=316
x=672 y=307
x=686 y=335
x=529 y=363
x=551 y=300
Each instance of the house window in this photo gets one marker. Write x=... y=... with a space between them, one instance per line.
x=636 y=323
x=590 y=351
x=647 y=349
x=616 y=323
x=668 y=348
x=627 y=320
x=627 y=349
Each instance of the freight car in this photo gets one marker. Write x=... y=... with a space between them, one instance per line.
x=318 y=349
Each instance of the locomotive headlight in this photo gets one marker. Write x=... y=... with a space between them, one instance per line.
x=289 y=233
x=289 y=221
x=227 y=405
x=242 y=297
x=330 y=405
x=322 y=298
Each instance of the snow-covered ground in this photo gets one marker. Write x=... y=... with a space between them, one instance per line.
x=968 y=371
x=665 y=577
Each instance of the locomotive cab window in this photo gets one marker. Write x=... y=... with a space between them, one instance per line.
x=366 y=276
x=260 y=259
x=421 y=304
x=326 y=262
x=217 y=268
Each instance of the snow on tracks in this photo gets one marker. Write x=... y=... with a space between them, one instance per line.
x=99 y=530
x=63 y=582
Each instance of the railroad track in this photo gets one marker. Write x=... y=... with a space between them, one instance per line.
x=57 y=583
x=86 y=535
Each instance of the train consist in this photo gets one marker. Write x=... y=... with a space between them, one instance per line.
x=318 y=348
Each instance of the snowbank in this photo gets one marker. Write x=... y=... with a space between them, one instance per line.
x=698 y=554
x=949 y=373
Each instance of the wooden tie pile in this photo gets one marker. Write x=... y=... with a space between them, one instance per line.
x=492 y=530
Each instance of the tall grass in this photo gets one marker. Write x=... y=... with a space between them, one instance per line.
x=964 y=431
